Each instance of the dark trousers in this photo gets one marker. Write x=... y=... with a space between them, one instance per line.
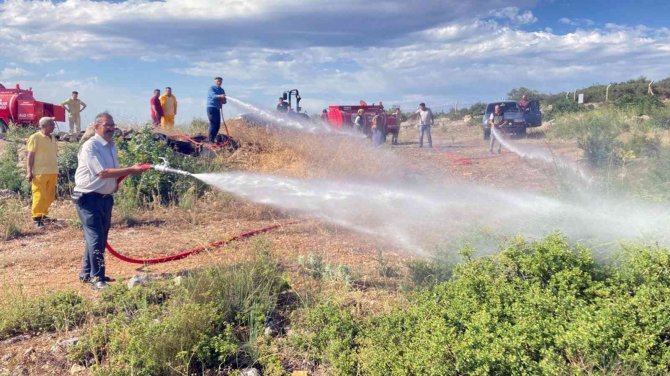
x=95 y=213
x=214 y=116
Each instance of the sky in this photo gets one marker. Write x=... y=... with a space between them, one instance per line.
x=401 y=52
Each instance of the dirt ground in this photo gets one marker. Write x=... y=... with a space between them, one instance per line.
x=41 y=261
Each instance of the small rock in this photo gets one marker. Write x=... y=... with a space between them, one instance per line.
x=250 y=372
x=268 y=332
x=76 y=368
x=138 y=280
x=29 y=351
x=67 y=343
x=16 y=339
x=20 y=371
x=177 y=280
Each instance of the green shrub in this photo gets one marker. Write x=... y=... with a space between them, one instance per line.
x=211 y=321
x=12 y=175
x=10 y=218
x=539 y=308
x=327 y=335
x=153 y=187
x=563 y=106
x=67 y=166
x=640 y=104
x=60 y=311
x=425 y=273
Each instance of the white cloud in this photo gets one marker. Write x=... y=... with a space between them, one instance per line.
x=515 y=15
x=10 y=73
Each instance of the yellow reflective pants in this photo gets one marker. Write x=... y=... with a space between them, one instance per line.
x=44 y=193
x=167 y=121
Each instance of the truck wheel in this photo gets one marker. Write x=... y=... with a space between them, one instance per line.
x=3 y=127
x=522 y=131
x=487 y=134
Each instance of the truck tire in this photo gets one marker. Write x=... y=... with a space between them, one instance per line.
x=3 y=127
x=522 y=131
x=487 y=134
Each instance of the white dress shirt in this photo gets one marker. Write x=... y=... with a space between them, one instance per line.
x=95 y=155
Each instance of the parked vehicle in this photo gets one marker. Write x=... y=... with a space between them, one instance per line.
x=18 y=106
x=516 y=119
x=343 y=117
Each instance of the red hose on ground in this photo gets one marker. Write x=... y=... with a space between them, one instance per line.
x=193 y=251
x=184 y=254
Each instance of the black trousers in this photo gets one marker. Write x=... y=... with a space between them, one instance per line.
x=95 y=213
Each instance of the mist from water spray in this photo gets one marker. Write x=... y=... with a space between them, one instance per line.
x=275 y=119
x=418 y=218
x=542 y=154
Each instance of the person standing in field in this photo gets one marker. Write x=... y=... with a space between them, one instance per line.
x=377 y=130
x=74 y=106
x=425 y=116
x=95 y=183
x=359 y=120
x=42 y=169
x=156 y=108
x=216 y=98
x=495 y=121
x=169 y=106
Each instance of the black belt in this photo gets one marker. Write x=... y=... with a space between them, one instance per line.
x=77 y=195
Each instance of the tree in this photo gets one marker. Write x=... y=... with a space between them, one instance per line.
x=515 y=94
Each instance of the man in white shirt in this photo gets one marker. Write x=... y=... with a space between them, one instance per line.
x=425 y=116
x=95 y=182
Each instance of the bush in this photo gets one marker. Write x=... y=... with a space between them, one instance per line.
x=210 y=321
x=158 y=188
x=59 y=311
x=563 y=106
x=639 y=104
x=10 y=218
x=540 y=308
x=12 y=174
x=67 y=166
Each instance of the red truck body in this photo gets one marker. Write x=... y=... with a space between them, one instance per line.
x=18 y=106
x=343 y=116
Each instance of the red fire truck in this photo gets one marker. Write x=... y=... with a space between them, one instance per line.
x=19 y=107
x=343 y=116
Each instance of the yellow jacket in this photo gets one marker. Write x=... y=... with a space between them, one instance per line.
x=169 y=104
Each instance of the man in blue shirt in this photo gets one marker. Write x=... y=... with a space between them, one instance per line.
x=216 y=97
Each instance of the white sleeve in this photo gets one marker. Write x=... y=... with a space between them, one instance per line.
x=89 y=158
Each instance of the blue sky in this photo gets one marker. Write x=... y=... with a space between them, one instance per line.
x=401 y=52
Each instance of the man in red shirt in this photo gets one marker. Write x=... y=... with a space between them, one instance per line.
x=156 y=109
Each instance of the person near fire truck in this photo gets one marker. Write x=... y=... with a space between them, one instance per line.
x=74 y=106
x=359 y=120
x=496 y=120
x=216 y=98
x=42 y=170
x=169 y=105
x=156 y=108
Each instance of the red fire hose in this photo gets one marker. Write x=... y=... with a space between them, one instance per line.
x=196 y=250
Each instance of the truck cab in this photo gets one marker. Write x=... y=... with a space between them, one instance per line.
x=517 y=120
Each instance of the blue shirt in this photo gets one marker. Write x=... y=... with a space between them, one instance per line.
x=212 y=100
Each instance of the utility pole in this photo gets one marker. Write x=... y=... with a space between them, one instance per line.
x=649 y=90
x=607 y=92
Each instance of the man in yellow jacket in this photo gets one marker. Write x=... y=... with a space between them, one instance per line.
x=169 y=105
x=42 y=169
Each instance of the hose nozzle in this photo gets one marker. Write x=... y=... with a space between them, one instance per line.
x=164 y=167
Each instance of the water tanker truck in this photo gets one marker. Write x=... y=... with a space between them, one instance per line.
x=342 y=117
x=19 y=107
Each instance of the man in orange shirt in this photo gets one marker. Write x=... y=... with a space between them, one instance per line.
x=169 y=105
x=42 y=169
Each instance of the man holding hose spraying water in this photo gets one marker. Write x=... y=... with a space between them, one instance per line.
x=496 y=120
x=95 y=183
x=216 y=98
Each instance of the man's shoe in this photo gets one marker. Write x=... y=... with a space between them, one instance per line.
x=84 y=279
x=46 y=219
x=99 y=285
x=38 y=225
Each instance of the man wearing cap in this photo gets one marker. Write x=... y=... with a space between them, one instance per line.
x=95 y=183
x=156 y=108
x=169 y=106
x=282 y=106
x=216 y=98
x=74 y=106
x=42 y=169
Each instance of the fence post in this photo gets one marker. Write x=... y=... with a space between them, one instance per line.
x=607 y=92
x=649 y=90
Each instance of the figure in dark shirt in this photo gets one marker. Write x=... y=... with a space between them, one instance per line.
x=156 y=108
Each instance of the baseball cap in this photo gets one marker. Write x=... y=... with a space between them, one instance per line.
x=45 y=120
